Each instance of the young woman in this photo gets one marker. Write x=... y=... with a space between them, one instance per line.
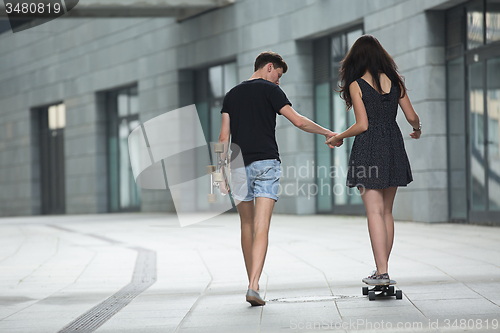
x=372 y=86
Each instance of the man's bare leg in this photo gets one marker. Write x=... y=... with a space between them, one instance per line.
x=246 y=211
x=262 y=219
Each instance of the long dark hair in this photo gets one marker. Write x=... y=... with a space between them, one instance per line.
x=367 y=54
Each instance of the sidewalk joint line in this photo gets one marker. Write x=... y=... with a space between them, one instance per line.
x=199 y=297
x=324 y=275
x=143 y=276
x=18 y=248
x=43 y=263
x=458 y=281
x=262 y=308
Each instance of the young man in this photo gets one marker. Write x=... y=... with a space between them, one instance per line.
x=249 y=116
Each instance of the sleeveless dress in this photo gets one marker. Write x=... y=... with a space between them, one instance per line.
x=378 y=156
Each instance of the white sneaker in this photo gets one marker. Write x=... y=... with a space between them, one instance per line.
x=376 y=279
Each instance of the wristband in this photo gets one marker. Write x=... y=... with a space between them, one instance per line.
x=419 y=127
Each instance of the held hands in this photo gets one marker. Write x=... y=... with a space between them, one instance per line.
x=333 y=141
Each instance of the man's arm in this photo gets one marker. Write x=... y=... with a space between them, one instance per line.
x=225 y=133
x=225 y=130
x=305 y=123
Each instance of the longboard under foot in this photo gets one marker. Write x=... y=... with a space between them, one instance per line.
x=383 y=290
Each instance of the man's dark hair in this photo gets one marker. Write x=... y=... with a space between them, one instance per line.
x=270 y=57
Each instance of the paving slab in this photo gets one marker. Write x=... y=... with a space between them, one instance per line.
x=56 y=269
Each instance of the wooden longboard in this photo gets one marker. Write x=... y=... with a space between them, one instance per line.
x=382 y=290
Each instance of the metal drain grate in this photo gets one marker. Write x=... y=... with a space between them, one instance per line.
x=305 y=299
x=144 y=276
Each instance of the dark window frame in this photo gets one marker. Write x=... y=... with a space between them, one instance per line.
x=332 y=80
x=40 y=117
x=110 y=102
x=206 y=96
x=470 y=55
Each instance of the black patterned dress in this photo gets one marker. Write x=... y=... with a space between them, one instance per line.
x=378 y=156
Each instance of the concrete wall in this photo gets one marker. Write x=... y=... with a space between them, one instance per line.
x=71 y=59
x=422 y=61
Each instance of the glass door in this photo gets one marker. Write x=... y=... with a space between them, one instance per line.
x=484 y=137
x=476 y=137
x=330 y=111
x=473 y=93
x=123 y=118
x=493 y=134
x=52 y=121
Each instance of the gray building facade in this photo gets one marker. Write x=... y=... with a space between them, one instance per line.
x=72 y=89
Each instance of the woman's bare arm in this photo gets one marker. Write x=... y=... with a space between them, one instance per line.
x=411 y=115
x=361 y=124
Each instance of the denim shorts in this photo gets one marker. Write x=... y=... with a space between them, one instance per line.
x=259 y=179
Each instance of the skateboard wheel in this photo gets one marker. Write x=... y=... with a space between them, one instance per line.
x=399 y=294
x=210 y=169
x=391 y=291
x=212 y=198
x=218 y=177
x=365 y=291
x=219 y=148
x=371 y=295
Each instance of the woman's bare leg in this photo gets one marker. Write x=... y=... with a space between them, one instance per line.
x=374 y=206
x=389 y=195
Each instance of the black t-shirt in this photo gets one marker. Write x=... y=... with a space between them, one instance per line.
x=252 y=107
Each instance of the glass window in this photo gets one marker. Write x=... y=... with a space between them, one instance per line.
x=492 y=21
x=215 y=79
x=476 y=106
x=338 y=49
x=127 y=102
x=230 y=76
x=203 y=113
x=211 y=84
x=215 y=121
x=457 y=139
x=133 y=101
x=352 y=37
x=341 y=154
x=493 y=128
x=51 y=122
x=323 y=157
x=57 y=116
x=473 y=117
x=330 y=112
x=123 y=133
x=475 y=25
x=123 y=118
x=123 y=103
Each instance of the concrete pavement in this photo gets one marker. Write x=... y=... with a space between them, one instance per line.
x=144 y=273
